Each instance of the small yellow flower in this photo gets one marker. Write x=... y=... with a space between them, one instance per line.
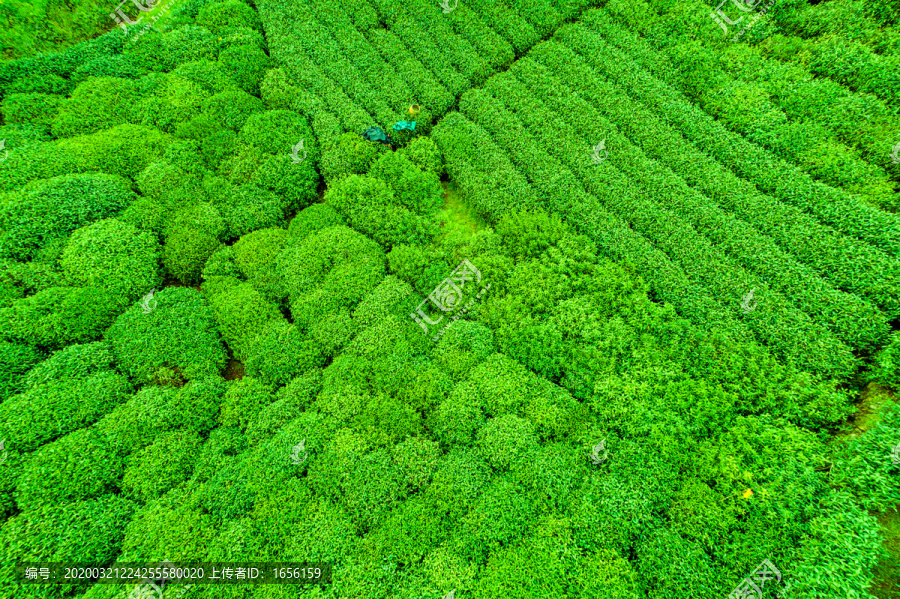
x=747 y=494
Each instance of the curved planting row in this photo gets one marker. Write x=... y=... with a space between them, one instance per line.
x=772 y=175
x=746 y=110
x=782 y=327
x=848 y=263
x=853 y=320
x=859 y=120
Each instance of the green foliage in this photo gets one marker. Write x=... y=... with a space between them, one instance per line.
x=112 y=255
x=222 y=16
x=371 y=206
x=59 y=316
x=888 y=362
x=180 y=332
x=15 y=360
x=50 y=209
x=350 y=154
x=75 y=532
x=231 y=109
x=247 y=65
x=313 y=219
x=157 y=468
x=243 y=400
x=35 y=109
x=329 y=270
x=96 y=104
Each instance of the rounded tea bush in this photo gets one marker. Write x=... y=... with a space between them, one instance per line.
x=113 y=255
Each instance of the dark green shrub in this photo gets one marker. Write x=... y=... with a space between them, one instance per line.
x=186 y=251
x=45 y=412
x=247 y=66
x=79 y=466
x=244 y=398
x=166 y=52
x=116 y=65
x=425 y=154
x=154 y=411
x=464 y=346
x=422 y=267
x=245 y=208
x=278 y=131
x=242 y=315
x=96 y=104
x=209 y=75
x=73 y=362
x=290 y=401
x=888 y=362
x=82 y=531
x=313 y=219
x=59 y=316
x=15 y=360
x=372 y=207
x=31 y=109
x=156 y=469
x=282 y=352
x=231 y=109
x=351 y=154
x=222 y=16
x=419 y=191
x=417 y=458
x=382 y=302
x=180 y=332
x=330 y=269
x=112 y=255
x=52 y=208
x=177 y=101
x=186 y=155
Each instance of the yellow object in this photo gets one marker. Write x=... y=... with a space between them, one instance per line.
x=747 y=494
x=414 y=109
